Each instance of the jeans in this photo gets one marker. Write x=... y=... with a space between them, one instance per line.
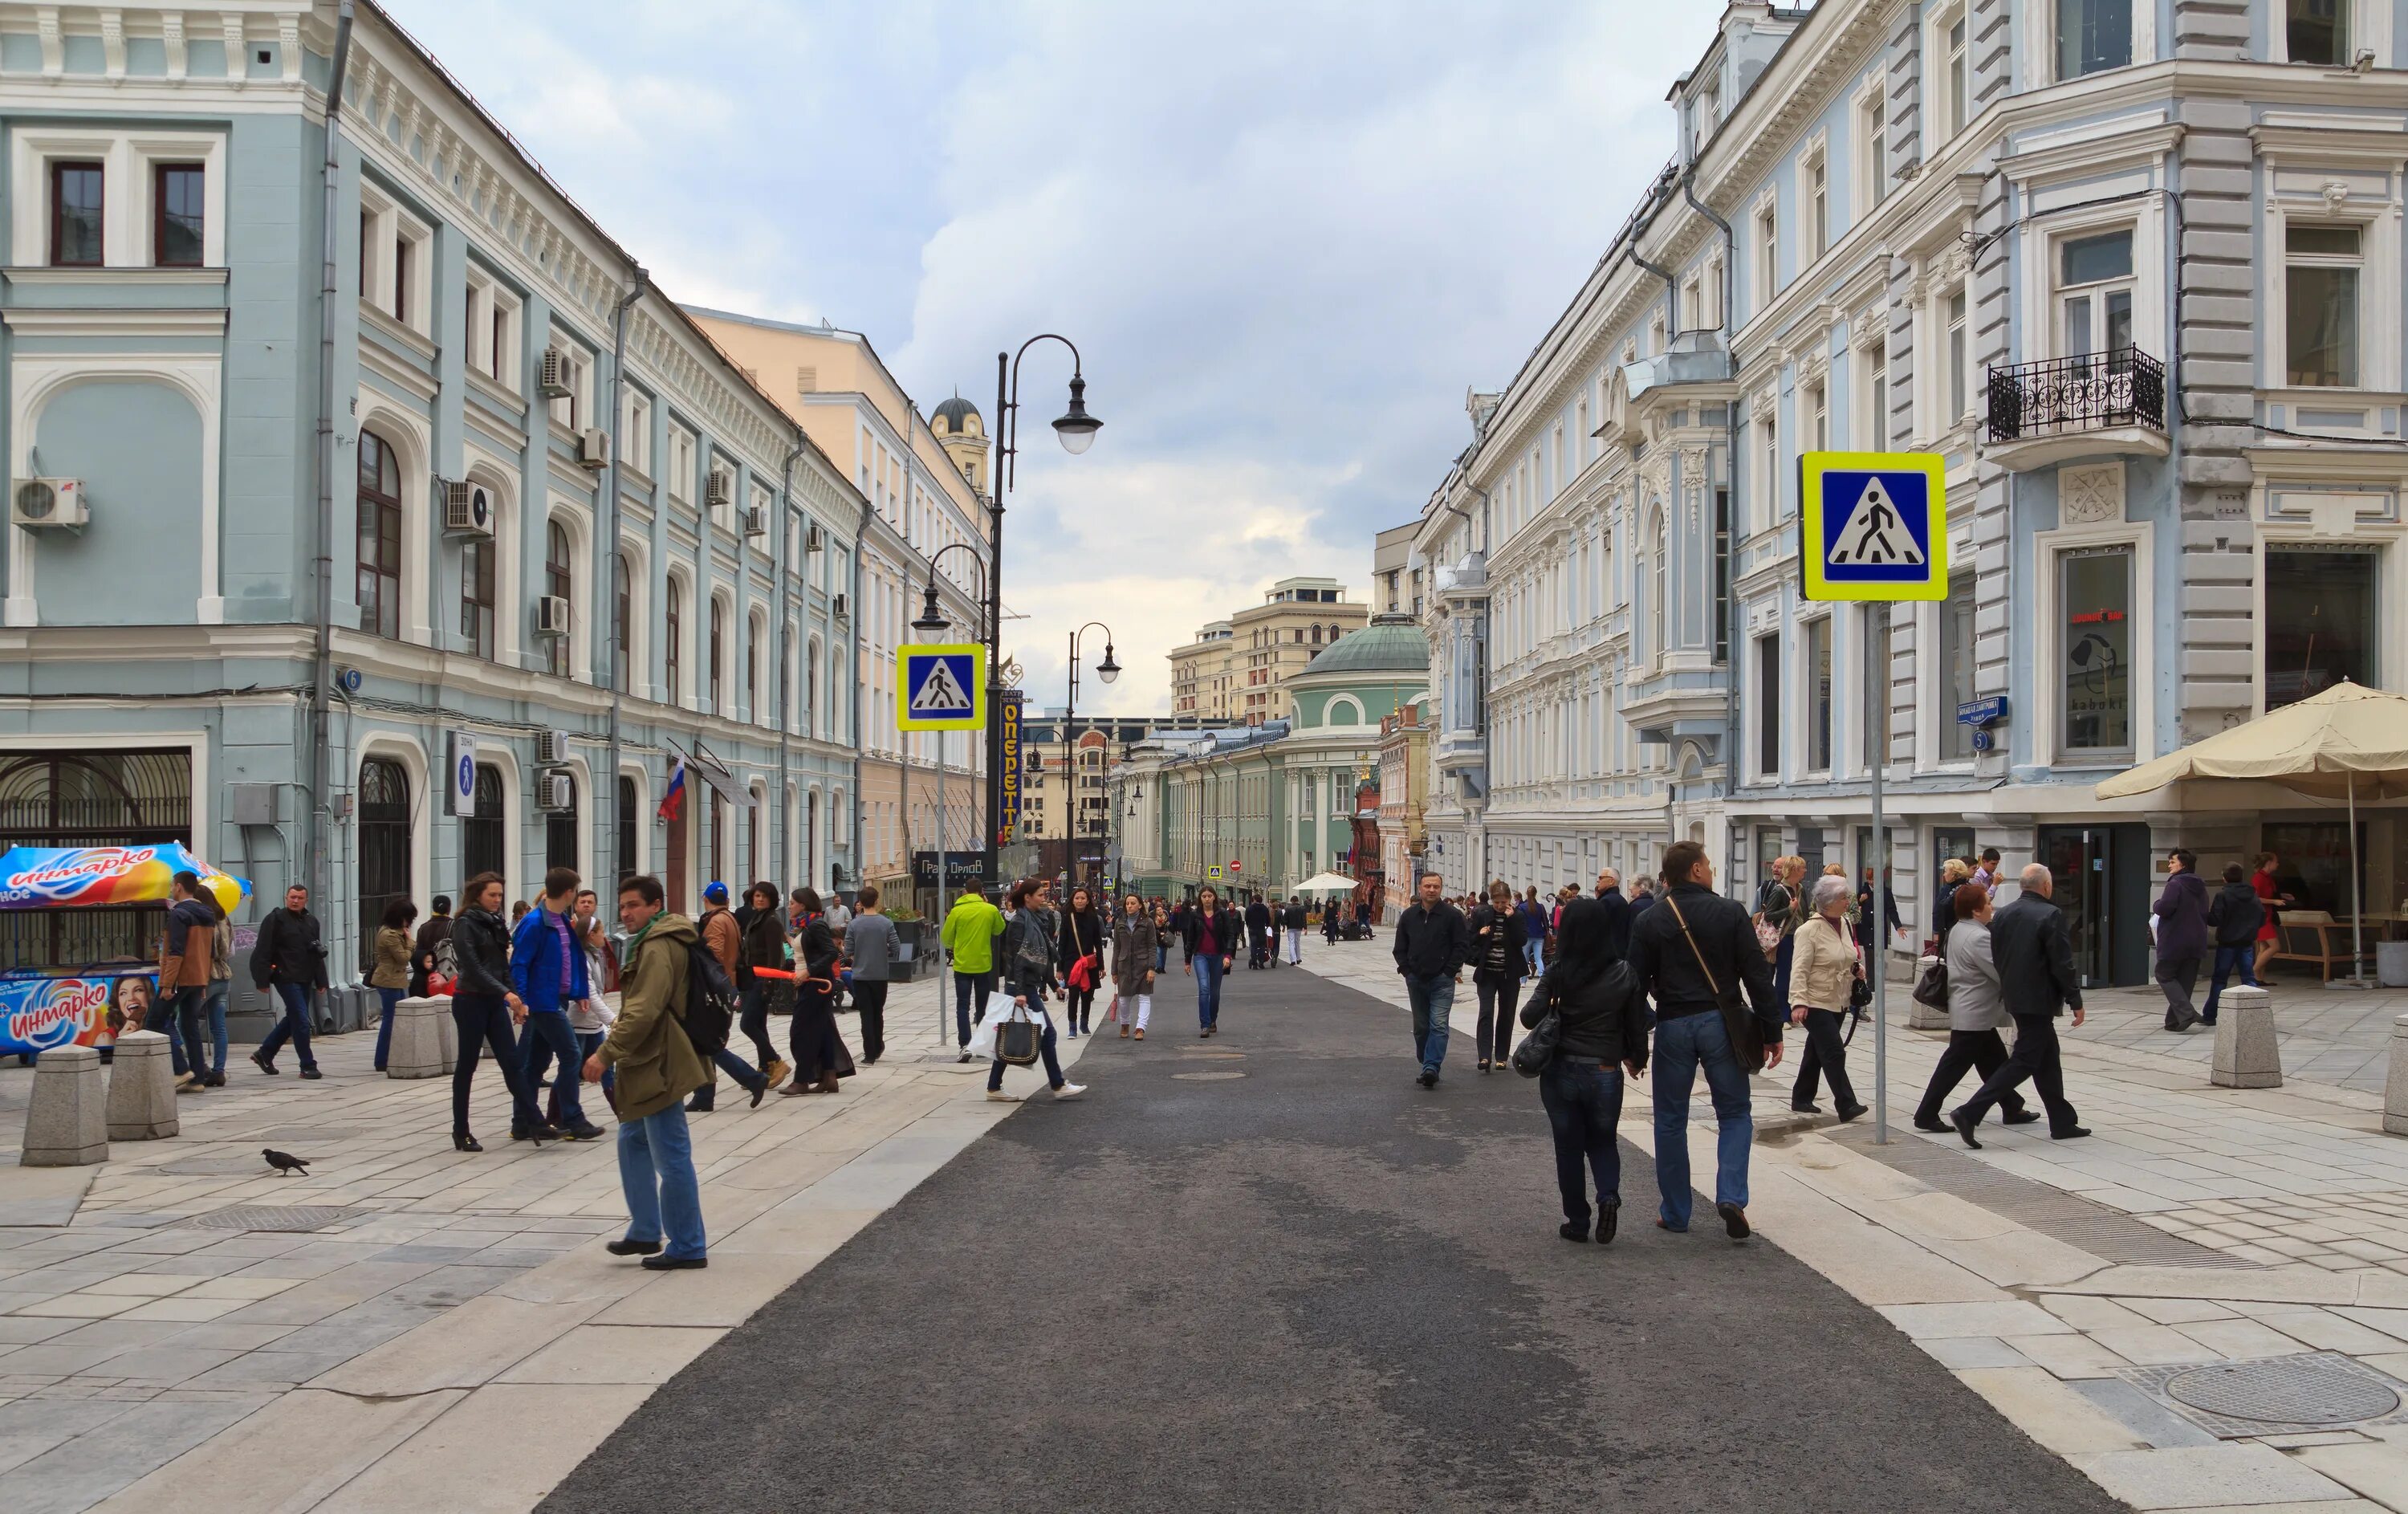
x=1584 y=1104
x=216 y=1009
x=1980 y=1051
x=293 y=1026
x=967 y=987
x=387 y=999
x=1826 y=1055
x=1496 y=1027
x=544 y=1037
x=2228 y=959
x=869 y=999
x=1053 y=1078
x=1161 y=956
x=1534 y=951
x=2178 y=976
x=1431 y=999
x=484 y=1021
x=177 y=1017
x=588 y=1042
x=1685 y=1045
x=656 y=1174
x=1208 y=992
x=2035 y=1056
x=752 y=1018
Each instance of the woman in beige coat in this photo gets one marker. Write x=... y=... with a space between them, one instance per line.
x=1822 y=973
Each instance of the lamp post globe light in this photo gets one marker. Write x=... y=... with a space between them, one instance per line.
x=1076 y=429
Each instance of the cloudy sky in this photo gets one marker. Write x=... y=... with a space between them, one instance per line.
x=1286 y=237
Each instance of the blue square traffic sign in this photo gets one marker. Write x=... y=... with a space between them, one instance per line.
x=940 y=687
x=1875 y=525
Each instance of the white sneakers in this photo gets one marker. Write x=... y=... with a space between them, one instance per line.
x=1067 y=1091
x=996 y=1096
x=1070 y=1091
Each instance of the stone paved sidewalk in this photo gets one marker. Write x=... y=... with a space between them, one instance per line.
x=362 y=1362
x=2067 y=1282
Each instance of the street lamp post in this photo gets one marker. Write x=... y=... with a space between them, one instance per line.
x=1107 y=669
x=1076 y=429
x=932 y=622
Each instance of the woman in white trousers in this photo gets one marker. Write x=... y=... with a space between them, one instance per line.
x=1134 y=943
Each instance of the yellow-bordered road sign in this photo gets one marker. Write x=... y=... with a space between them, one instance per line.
x=940 y=687
x=1873 y=524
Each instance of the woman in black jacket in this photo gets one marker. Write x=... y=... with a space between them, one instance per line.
x=764 y=945
x=1497 y=960
x=819 y=1054
x=485 y=1011
x=1602 y=1035
x=1081 y=934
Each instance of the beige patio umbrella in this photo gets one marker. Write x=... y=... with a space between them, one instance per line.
x=1326 y=883
x=2346 y=742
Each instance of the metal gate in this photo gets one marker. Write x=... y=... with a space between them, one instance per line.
x=384 y=845
x=91 y=799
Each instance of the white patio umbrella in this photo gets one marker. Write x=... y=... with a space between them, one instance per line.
x=2345 y=742
x=1326 y=883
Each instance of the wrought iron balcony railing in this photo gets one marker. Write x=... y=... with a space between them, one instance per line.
x=2067 y=395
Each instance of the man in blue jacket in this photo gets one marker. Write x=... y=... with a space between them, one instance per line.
x=548 y=973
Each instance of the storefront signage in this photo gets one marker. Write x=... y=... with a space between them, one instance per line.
x=1009 y=722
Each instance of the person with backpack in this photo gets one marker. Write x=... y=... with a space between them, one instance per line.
x=819 y=1054
x=1601 y=1036
x=656 y=1065
x=430 y=955
x=1027 y=972
x=724 y=941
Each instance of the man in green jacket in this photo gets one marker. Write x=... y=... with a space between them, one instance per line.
x=657 y=1067
x=970 y=937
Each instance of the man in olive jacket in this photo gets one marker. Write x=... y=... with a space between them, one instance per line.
x=657 y=1067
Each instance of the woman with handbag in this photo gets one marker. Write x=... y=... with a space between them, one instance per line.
x=1137 y=956
x=1977 y=1011
x=820 y=1055
x=1027 y=972
x=1598 y=1018
x=1081 y=949
x=1497 y=960
x=1825 y=974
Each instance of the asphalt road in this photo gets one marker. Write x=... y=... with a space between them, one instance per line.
x=1313 y=1287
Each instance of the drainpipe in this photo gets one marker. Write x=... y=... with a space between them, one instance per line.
x=608 y=808
x=323 y=680
x=1672 y=289
x=861 y=534
x=1731 y=664
x=786 y=675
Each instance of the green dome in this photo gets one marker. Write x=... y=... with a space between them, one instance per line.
x=1390 y=644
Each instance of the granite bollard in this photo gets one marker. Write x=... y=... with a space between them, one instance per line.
x=2246 y=1056
x=142 y=1088
x=66 y=1116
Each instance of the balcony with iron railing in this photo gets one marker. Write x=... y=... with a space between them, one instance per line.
x=2106 y=404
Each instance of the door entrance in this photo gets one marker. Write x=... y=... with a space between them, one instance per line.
x=2102 y=885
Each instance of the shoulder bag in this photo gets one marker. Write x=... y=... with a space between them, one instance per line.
x=1538 y=1049
x=1860 y=992
x=1747 y=1036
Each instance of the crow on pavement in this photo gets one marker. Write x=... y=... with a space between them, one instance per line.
x=284 y=1161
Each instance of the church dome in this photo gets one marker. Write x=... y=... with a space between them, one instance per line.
x=1390 y=644
x=957 y=416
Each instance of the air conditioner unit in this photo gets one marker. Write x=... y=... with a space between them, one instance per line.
x=42 y=504
x=550 y=747
x=468 y=509
x=813 y=540
x=756 y=521
x=594 y=449
x=556 y=793
x=554 y=382
x=551 y=616
x=716 y=490
x=839 y=606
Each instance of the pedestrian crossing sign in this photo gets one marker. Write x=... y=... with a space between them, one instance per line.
x=1874 y=525
x=940 y=687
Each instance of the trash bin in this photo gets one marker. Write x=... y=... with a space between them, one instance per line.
x=2391 y=963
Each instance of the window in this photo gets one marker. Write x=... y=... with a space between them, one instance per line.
x=2320 y=269
x=1818 y=418
x=2093 y=35
x=1656 y=585
x=1722 y=575
x=2318 y=32
x=1818 y=680
x=75 y=215
x=680 y=465
x=482 y=845
x=1768 y=254
x=178 y=214
x=477 y=596
x=2095 y=597
x=1875 y=427
x=2319 y=625
x=1818 y=206
x=1956 y=668
x=718 y=652
x=2094 y=281
x=623 y=610
x=1771 y=488
x=379 y=585
x=402 y=249
x=628 y=812
x=1874 y=127
x=1956 y=88
x=752 y=672
x=1959 y=356
x=673 y=637
x=557 y=583
x=497 y=351
x=636 y=430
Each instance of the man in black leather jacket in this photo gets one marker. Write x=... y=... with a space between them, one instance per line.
x=2034 y=949
x=291 y=959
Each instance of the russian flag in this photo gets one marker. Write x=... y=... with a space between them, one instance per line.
x=673 y=801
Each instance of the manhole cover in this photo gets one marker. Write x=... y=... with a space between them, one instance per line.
x=2275 y=1395
x=273 y=1216
x=2288 y=1389
x=212 y=1166
x=1199 y=1051
x=292 y=1137
x=1205 y=1078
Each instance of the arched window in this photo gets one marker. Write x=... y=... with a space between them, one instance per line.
x=482 y=846
x=752 y=671
x=630 y=809
x=718 y=655
x=384 y=843
x=811 y=692
x=1656 y=621
x=380 y=538
x=622 y=627
x=1316 y=636
x=476 y=557
x=560 y=832
x=673 y=630
x=557 y=583
x=785 y=672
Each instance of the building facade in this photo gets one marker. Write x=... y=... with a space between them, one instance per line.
x=919 y=477
x=1236 y=669
x=2134 y=271
x=1404 y=796
x=527 y=544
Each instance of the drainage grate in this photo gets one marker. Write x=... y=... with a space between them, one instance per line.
x=2276 y=1395
x=1204 y=1077
x=300 y=1135
x=303 y=1217
x=212 y=1166
x=2109 y=1235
